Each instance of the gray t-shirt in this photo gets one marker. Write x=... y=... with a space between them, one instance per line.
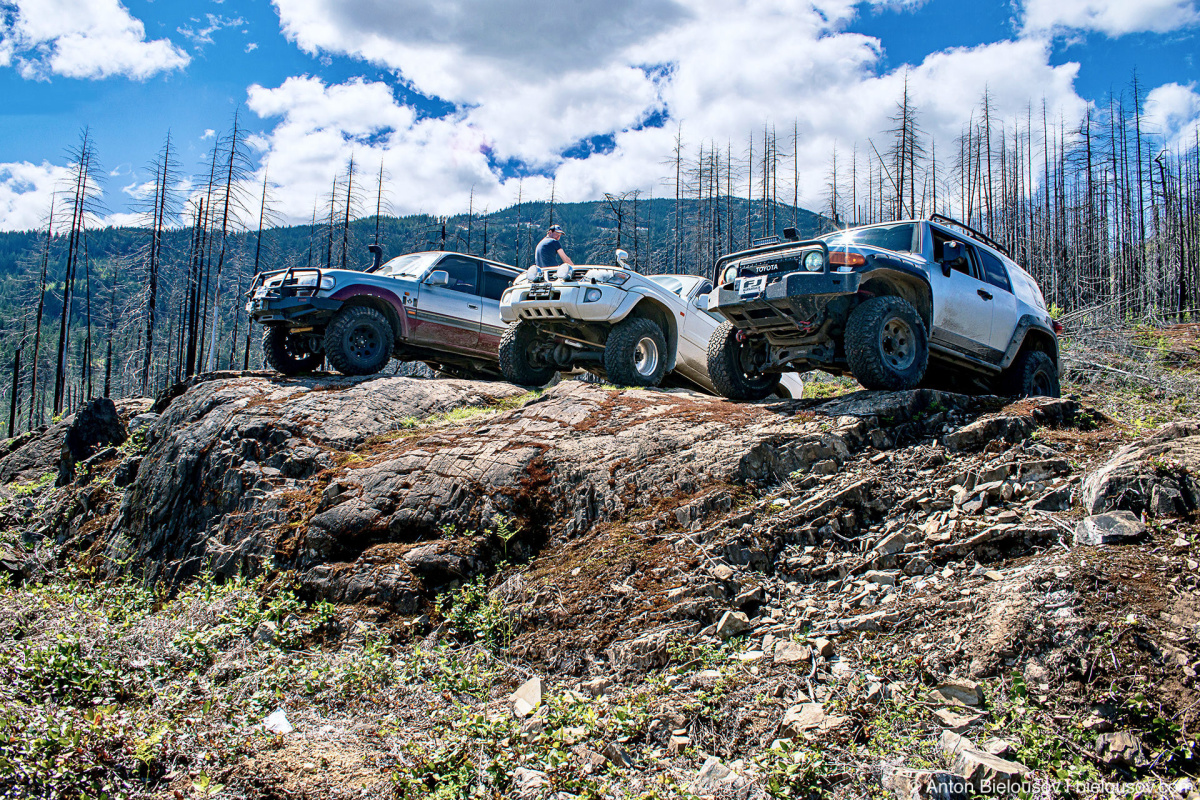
x=547 y=253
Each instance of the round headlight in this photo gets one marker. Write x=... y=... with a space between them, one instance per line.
x=814 y=261
x=730 y=274
x=591 y=295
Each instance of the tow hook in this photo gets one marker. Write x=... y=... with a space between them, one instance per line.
x=741 y=337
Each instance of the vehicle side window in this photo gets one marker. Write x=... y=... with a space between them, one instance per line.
x=464 y=274
x=994 y=271
x=495 y=282
x=939 y=241
x=972 y=267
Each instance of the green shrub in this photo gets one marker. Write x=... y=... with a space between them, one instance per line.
x=473 y=615
x=62 y=673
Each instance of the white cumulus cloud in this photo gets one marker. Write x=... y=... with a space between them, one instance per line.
x=25 y=193
x=82 y=39
x=1173 y=111
x=433 y=163
x=1111 y=17
x=529 y=81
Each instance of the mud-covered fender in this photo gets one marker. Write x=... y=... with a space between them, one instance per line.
x=1029 y=325
x=904 y=279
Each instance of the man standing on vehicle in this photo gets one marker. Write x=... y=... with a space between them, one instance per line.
x=549 y=251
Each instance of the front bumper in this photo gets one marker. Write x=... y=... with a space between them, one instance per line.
x=560 y=301
x=794 y=301
x=273 y=309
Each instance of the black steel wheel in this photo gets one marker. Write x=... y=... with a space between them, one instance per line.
x=289 y=354
x=359 y=341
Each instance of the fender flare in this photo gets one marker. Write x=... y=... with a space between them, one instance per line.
x=914 y=283
x=634 y=299
x=376 y=297
x=1027 y=323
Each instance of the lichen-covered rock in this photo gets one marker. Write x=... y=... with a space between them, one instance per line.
x=1159 y=475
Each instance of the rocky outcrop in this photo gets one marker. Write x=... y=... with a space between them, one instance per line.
x=95 y=426
x=230 y=471
x=380 y=490
x=868 y=553
x=1159 y=475
x=347 y=483
x=34 y=454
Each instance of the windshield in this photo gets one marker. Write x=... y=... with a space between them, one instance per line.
x=898 y=238
x=412 y=265
x=679 y=284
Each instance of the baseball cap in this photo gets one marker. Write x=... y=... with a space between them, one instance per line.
x=556 y=229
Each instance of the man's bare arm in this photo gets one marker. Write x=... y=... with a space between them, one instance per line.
x=566 y=259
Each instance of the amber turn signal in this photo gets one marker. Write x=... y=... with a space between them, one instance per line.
x=847 y=259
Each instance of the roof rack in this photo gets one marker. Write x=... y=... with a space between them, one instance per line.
x=951 y=221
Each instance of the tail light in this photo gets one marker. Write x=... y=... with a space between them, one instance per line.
x=1058 y=326
x=845 y=259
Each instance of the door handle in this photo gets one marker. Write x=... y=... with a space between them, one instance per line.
x=984 y=294
x=472 y=305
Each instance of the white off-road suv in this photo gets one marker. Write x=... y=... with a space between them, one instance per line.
x=896 y=305
x=635 y=330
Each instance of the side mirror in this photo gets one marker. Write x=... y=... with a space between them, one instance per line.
x=791 y=234
x=439 y=277
x=953 y=255
x=701 y=301
x=622 y=259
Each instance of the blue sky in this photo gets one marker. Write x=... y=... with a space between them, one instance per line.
x=472 y=100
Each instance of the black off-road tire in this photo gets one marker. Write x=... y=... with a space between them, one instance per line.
x=636 y=353
x=359 y=341
x=285 y=353
x=728 y=372
x=1032 y=374
x=886 y=344
x=517 y=362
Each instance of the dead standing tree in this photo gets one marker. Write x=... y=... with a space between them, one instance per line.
x=82 y=202
x=163 y=207
x=231 y=207
x=44 y=266
x=265 y=215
